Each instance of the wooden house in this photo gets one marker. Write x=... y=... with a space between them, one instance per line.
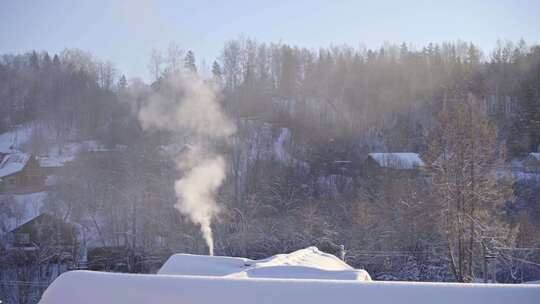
x=403 y=164
x=531 y=164
x=43 y=231
x=20 y=173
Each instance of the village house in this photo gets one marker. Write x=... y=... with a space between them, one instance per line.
x=402 y=164
x=20 y=173
x=43 y=247
x=531 y=164
x=44 y=230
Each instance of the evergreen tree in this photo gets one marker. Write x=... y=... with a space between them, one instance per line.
x=122 y=83
x=47 y=60
x=216 y=71
x=34 y=60
x=189 y=62
x=56 y=60
x=529 y=94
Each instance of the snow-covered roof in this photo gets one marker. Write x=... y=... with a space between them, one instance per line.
x=535 y=155
x=202 y=265
x=308 y=263
x=13 y=163
x=89 y=287
x=10 y=141
x=401 y=160
x=96 y=146
x=25 y=207
x=58 y=156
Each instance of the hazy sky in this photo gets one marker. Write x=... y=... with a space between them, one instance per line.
x=125 y=32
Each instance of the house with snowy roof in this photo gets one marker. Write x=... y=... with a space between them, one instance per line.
x=44 y=230
x=20 y=173
x=531 y=164
x=397 y=164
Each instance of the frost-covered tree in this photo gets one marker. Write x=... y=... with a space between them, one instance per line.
x=470 y=184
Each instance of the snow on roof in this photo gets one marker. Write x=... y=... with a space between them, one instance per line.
x=402 y=160
x=88 y=287
x=26 y=207
x=9 y=141
x=58 y=156
x=308 y=263
x=202 y=265
x=13 y=163
x=535 y=155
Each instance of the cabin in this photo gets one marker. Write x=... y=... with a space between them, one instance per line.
x=20 y=173
x=51 y=166
x=402 y=164
x=44 y=230
x=531 y=164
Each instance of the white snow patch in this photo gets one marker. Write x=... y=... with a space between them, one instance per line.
x=308 y=263
x=59 y=155
x=402 y=160
x=535 y=155
x=202 y=265
x=526 y=176
x=13 y=163
x=281 y=152
x=333 y=185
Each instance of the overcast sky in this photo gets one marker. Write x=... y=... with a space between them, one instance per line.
x=125 y=32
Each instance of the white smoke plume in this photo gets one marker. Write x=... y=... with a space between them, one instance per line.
x=188 y=105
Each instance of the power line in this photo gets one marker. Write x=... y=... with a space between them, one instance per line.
x=11 y=283
x=517 y=249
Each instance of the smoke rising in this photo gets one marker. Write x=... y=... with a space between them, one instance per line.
x=187 y=105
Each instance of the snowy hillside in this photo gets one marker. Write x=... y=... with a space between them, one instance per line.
x=267 y=142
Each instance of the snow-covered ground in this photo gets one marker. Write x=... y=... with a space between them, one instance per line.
x=288 y=278
x=267 y=142
x=526 y=176
x=57 y=154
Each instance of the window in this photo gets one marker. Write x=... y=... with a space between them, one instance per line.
x=22 y=238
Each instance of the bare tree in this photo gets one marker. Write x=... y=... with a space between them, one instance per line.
x=468 y=183
x=155 y=64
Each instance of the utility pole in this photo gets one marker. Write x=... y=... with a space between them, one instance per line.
x=342 y=252
x=484 y=251
x=488 y=255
